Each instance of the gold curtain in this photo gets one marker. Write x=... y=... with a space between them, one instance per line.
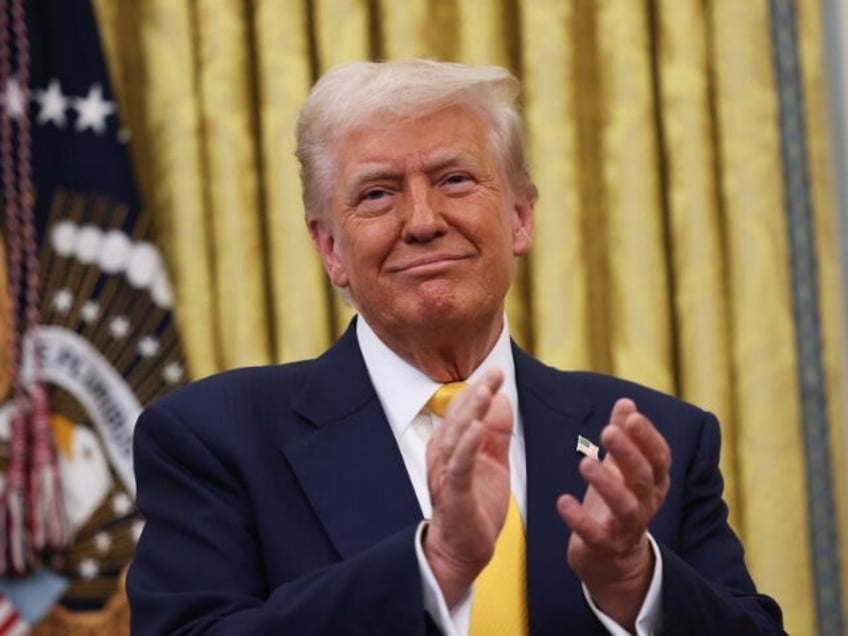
x=661 y=252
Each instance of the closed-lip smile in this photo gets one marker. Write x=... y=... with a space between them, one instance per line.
x=427 y=263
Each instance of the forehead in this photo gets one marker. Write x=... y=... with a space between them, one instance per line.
x=447 y=135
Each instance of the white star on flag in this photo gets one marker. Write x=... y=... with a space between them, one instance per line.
x=53 y=104
x=93 y=110
x=88 y=569
x=172 y=373
x=63 y=300
x=102 y=542
x=14 y=99
x=90 y=311
x=121 y=504
x=148 y=347
x=119 y=327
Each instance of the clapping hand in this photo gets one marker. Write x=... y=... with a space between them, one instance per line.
x=468 y=476
x=609 y=548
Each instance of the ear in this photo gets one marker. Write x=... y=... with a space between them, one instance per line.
x=523 y=225
x=328 y=250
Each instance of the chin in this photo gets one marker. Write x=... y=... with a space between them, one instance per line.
x=443 y=303
x=435 y=315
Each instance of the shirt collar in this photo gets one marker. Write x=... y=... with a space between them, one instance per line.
x=403 y=390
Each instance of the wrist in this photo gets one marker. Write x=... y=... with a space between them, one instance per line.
x=622 y=594
x=454 y=576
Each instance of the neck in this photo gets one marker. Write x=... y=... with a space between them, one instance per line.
x=445 y=353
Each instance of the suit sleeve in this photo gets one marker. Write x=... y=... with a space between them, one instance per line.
x=198 y=568
x=706 y=587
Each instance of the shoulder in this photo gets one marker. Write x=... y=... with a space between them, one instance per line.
x=596 y=388
x=596 y=393
x=680 y=422
x=606 y=388
x=237 y=387
x=261 y=392
x=228 y=406
x=692 y=433
x=266 y=404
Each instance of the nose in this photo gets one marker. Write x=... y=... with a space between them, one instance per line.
x=423 y=219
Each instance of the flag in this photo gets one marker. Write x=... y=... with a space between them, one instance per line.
x=11 y=623
x=87 y=311
x=587 y=448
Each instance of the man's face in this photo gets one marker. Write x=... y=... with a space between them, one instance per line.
x=422 y=226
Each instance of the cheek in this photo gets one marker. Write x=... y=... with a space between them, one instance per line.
x=366 y=246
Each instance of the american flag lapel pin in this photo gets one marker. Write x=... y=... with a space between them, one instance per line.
x=586 y=447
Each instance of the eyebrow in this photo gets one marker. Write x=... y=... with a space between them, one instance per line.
x=373 y=171
x=436 y=161
x=442 y=159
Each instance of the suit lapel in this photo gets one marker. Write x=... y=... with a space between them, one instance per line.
x=352 y=471
x=553 y=413
x=349 y=464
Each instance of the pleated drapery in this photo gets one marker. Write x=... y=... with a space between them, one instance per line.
x=662 y=249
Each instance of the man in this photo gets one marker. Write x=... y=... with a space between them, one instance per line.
x=333 y=496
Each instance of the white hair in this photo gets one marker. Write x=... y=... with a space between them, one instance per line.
x=356 y=94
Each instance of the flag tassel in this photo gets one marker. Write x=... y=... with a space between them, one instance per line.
x=17 y=549
x=47 y=515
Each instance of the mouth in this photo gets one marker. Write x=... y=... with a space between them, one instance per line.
x=431 y=264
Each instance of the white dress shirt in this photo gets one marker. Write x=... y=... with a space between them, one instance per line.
x=403 y=392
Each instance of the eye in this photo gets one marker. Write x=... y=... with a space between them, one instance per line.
x=375 y=194
x=374 y=200
x=453 y=179
x=457 y=182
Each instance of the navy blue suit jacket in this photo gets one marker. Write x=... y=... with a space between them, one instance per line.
x=277 y=502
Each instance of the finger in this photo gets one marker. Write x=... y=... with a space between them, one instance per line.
x=475 y=401
x=620 y=500
x=461 y=465
x=621 y=410
x=576 y=517
x=443 y=441
x=498 y=423
x=472 y=403
x=651 y=444
x=635 y=469
x=468 y=399
x=493 y=378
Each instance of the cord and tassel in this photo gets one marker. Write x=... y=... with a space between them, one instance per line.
x=32 y=518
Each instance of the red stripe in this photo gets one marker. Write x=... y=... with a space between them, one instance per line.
x=9 y=623
x=8 y=615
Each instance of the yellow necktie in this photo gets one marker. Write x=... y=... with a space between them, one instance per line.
x=499 y=607
x=444 y=395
